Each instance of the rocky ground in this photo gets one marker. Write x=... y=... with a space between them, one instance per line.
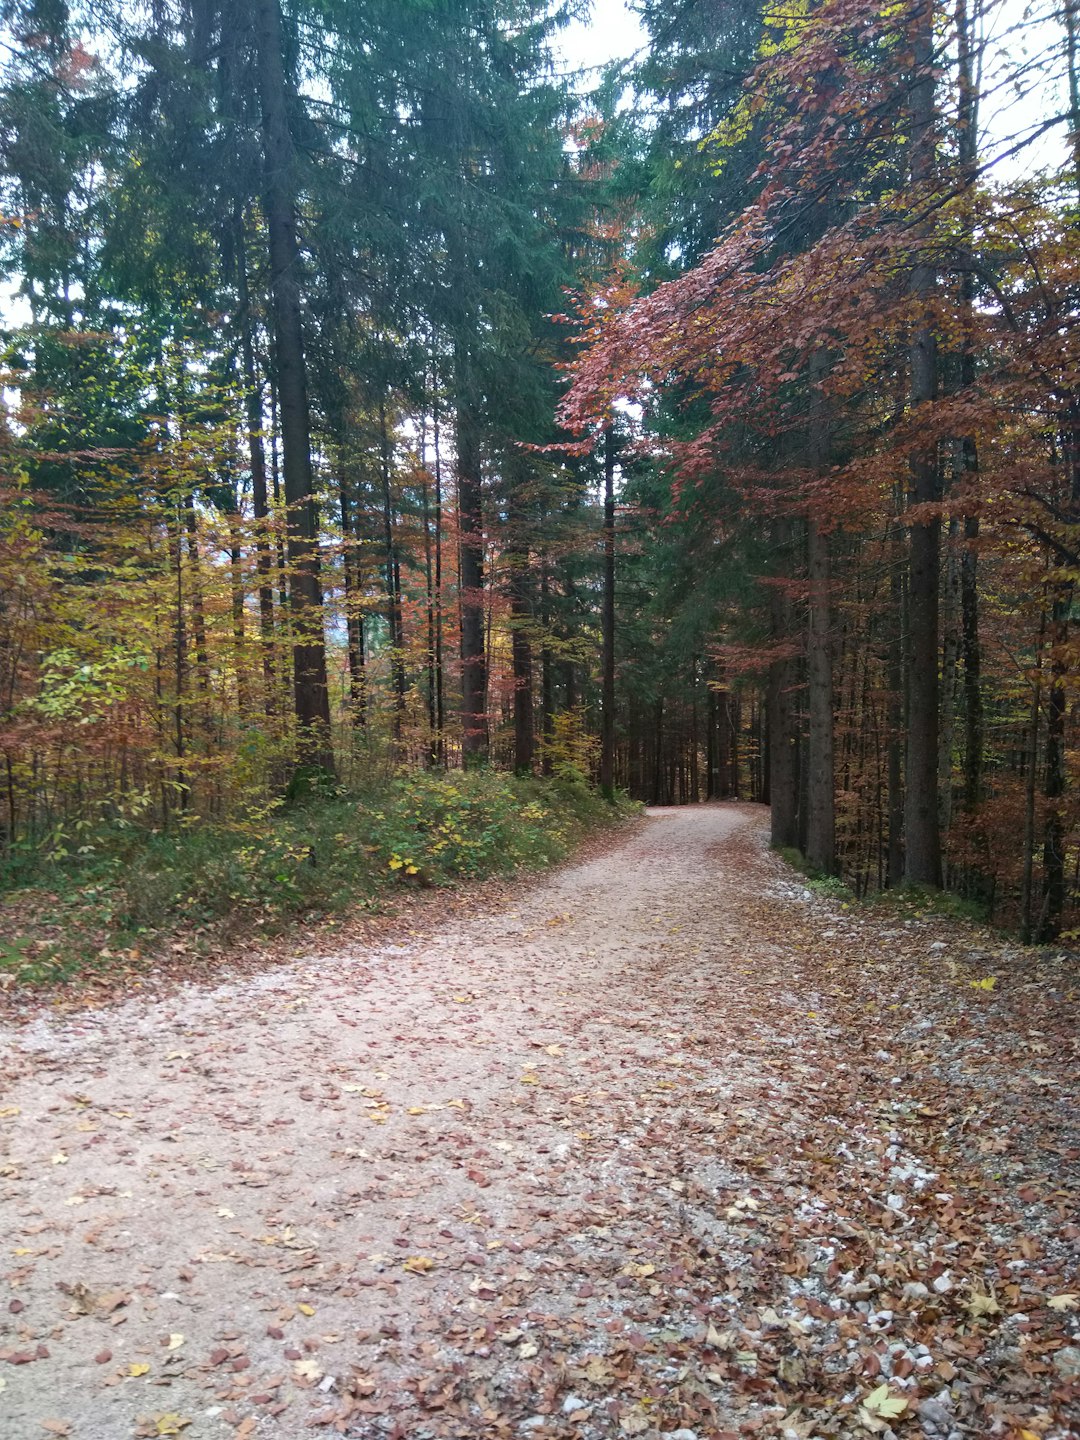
x=662 y=1145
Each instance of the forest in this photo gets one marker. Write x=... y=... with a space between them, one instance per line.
x=391 y=406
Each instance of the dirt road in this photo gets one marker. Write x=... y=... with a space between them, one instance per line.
x=607 y=1162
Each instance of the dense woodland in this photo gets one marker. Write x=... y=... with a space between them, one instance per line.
x=381 y=396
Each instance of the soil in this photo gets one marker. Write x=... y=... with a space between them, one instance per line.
x=665 y=1144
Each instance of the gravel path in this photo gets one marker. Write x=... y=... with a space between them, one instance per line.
x=468 y=1185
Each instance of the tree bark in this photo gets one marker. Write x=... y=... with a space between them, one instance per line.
x=783 y=740
x=260 y=503
x=922 y=831
x=474 y=720
x=607 y=682
x=311 y=695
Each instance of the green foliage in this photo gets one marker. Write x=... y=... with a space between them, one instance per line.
x=917 y=901
x=122 y=889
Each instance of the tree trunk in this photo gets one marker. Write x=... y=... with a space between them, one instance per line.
x=607 y=682
x=393 y=578
x=521 y=621
x=783 y=769
x=922 y=832
x=474 y=720
x=311 y=695
x=260 y=504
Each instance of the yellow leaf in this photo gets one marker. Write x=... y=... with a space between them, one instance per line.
x=308 y=1370
x=529 y=1079
x=7 y=1111
x=981 y=1304
x=418 y=1264
x=138 y=1369
x=170 y=1423
x=59 y=1158
x=306 y=1309
x=987 y=984
x=396 y=864
x=1070 y=1301
x=640 y=1272
x=555 y=1050
x=884 y=1403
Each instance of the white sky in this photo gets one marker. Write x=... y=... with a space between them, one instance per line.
x=612 y=34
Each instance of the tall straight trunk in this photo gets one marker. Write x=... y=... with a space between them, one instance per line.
x=971 y=650
x=198 y=612
x=658 y=753
x=692 y=758
x=607 y=681
x=474 y=720
x=393 y=578
x=547 y=675
x=237 y=597
x=311 y=694
x=894 y=681
x=821 y=803
x=1027 y=888
x=922 y=830
x=951 y=621
x=521 y=621
x=260 y=504
x=1053 y=901
x=180 y=670
x=734 y=714
x=712 y=752
x=820 y=783
x=782 y=720
x=437 y=660
x=429 y=593
x=354 y=613
x=967 y=452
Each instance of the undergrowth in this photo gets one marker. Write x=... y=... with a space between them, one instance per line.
x=111 y=897
x=906 y=901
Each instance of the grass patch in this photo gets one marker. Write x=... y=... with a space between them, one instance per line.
x=819 y=883
x=917 y=901
x=126 y=890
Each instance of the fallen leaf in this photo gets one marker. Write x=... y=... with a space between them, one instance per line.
x=884 y=1403
x=56 y=1427
x=170 y=1423
x=981 y=1304
x=175 y=1341
x=1069 y=1301
x=308 y=1370
x=138 y=1368
x=418 y=1264
x=305 y=1309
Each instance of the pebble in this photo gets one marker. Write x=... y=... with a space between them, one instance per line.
x=682 y=1435
x=572 y=1403
x=1067 y=1362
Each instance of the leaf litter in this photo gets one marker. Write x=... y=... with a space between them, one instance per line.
x=664 y=1146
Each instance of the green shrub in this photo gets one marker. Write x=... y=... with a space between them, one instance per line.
x=310 y=857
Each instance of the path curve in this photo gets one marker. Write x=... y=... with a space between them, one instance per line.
x=488 y=1182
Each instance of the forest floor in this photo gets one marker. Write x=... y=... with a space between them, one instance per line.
x=664 y=1144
